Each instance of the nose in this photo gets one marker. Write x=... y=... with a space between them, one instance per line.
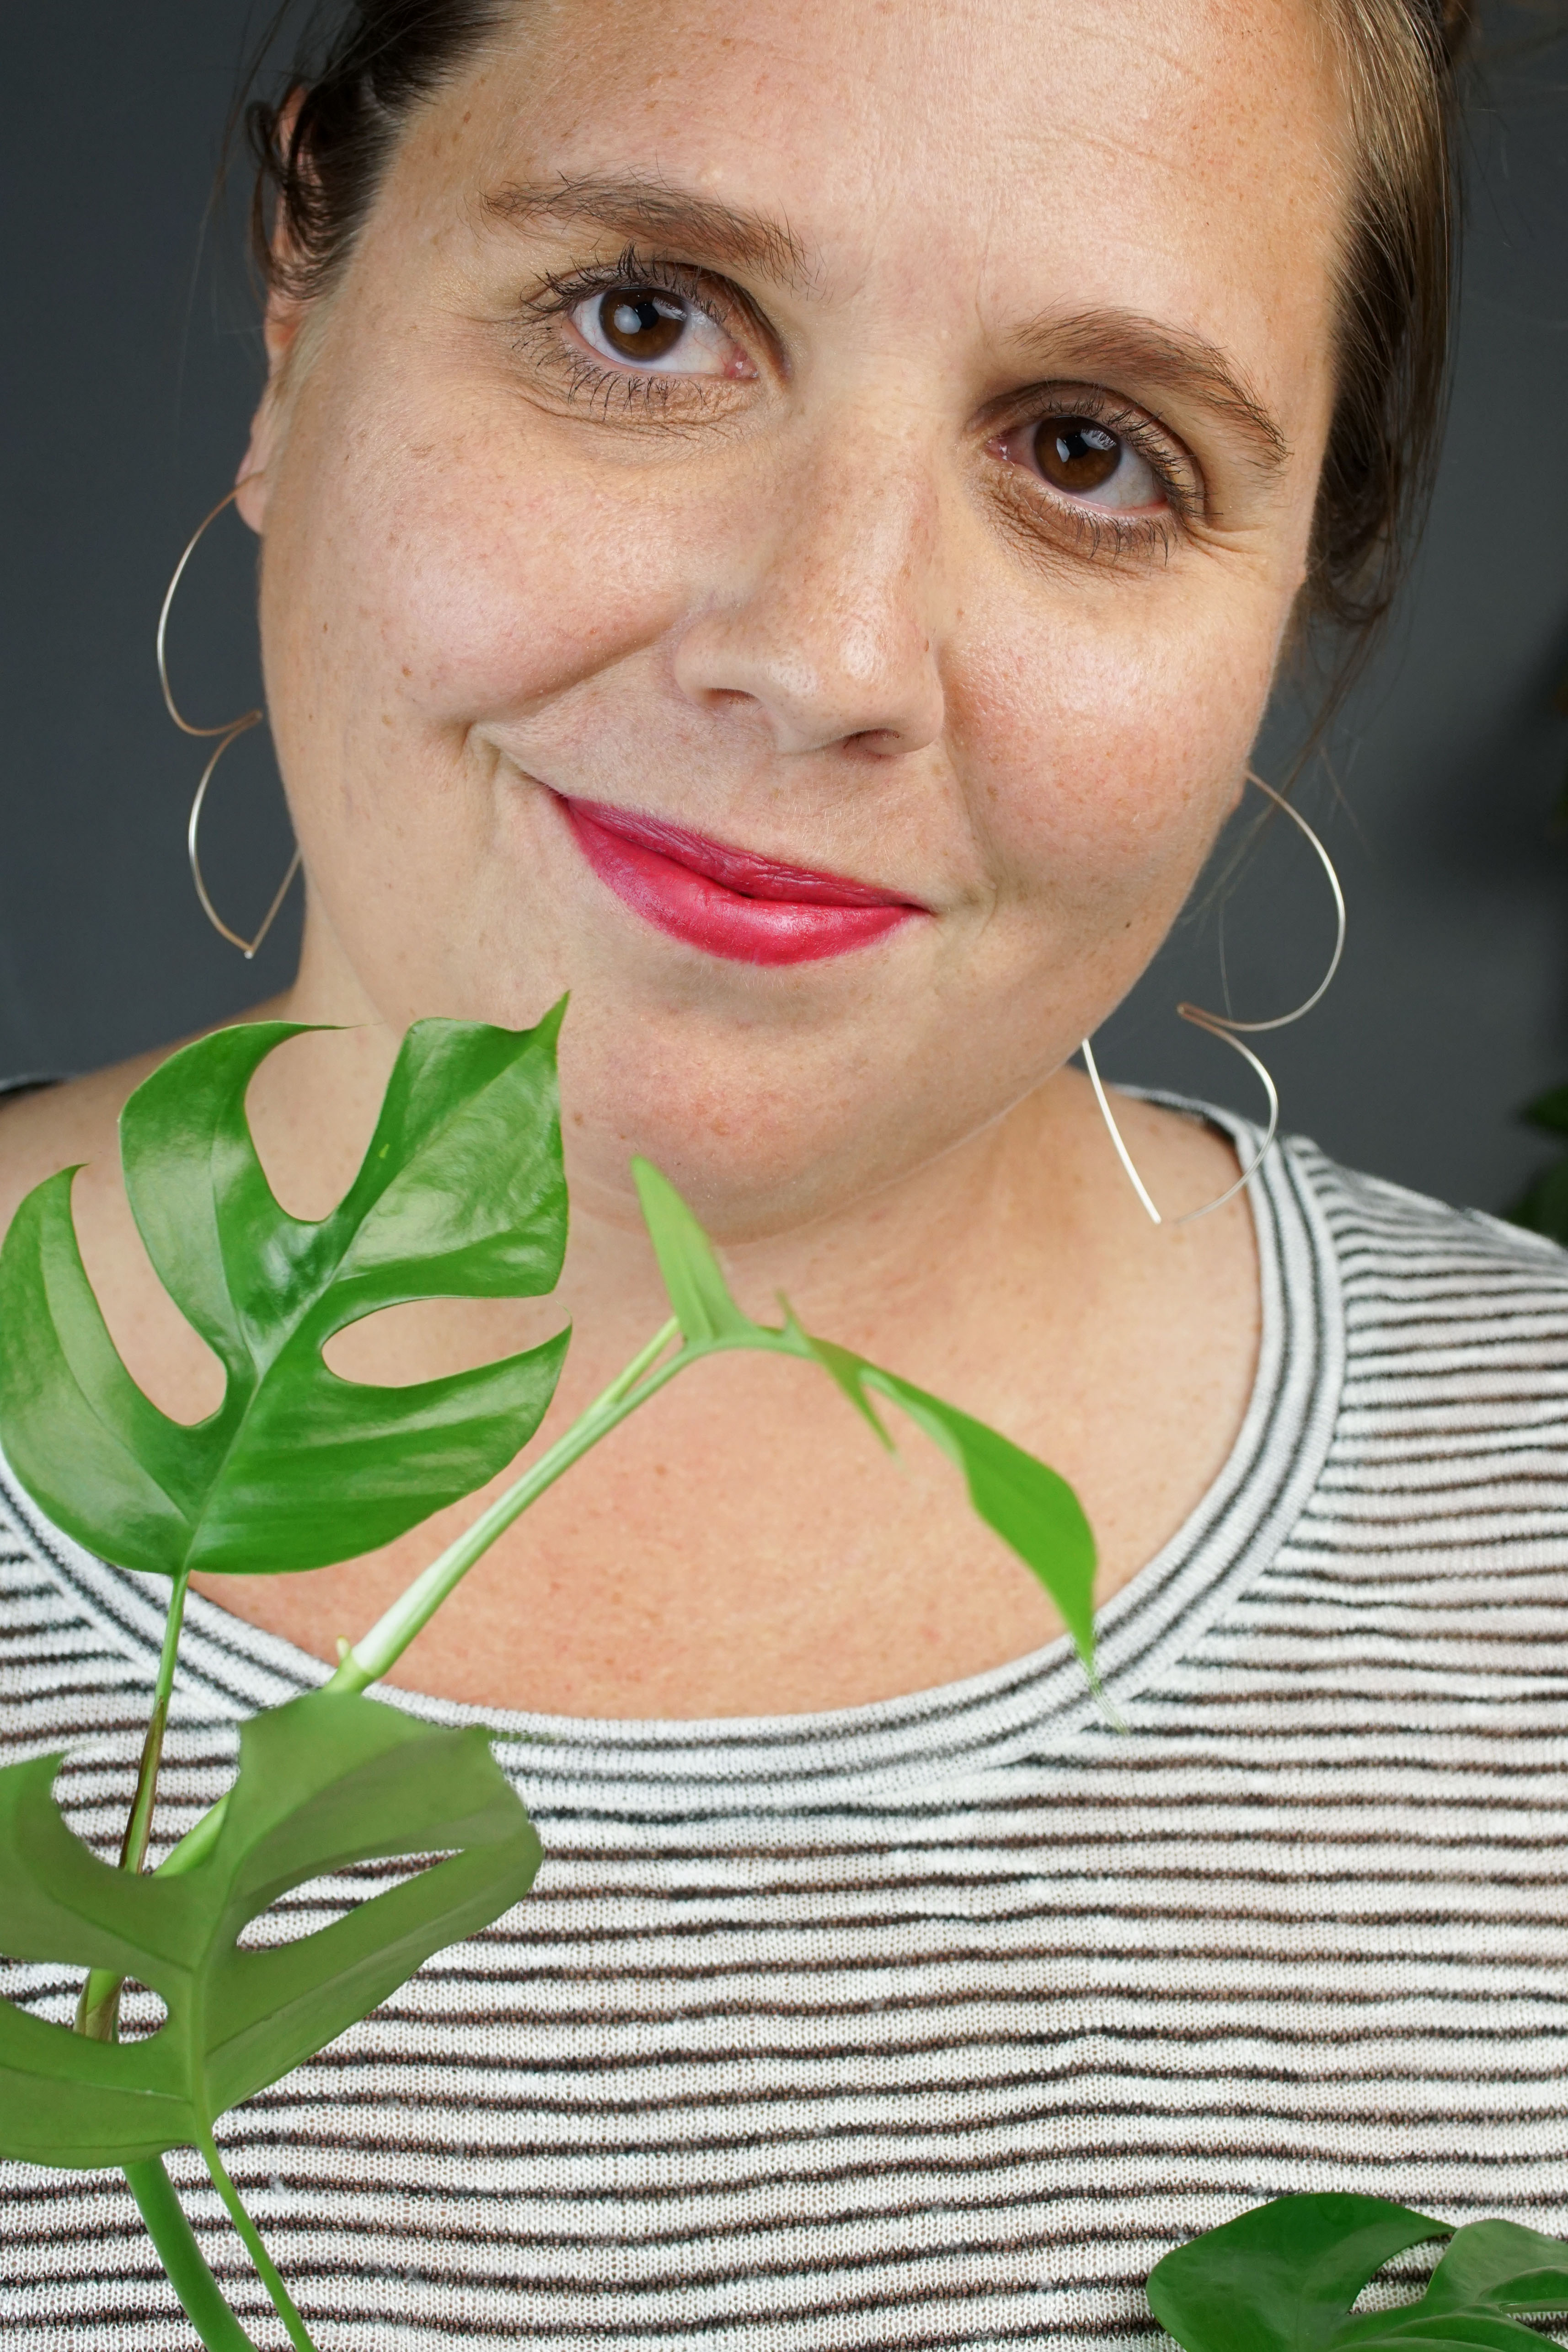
x=825 y=631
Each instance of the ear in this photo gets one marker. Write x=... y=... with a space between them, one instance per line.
x=285 y=316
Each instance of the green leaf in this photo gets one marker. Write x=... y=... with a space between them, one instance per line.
x=698 y=1291
x=1032 y=1508
x=1284 y=2278
x=461 y=1194
x=1501 y=2261
x=325 y=1781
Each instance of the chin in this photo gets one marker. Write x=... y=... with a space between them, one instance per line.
x=760 y=1131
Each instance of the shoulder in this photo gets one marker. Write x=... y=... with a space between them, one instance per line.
x=77 y=1124
x=63 y=1127
x=1454 y=1330
x=1383 y=1228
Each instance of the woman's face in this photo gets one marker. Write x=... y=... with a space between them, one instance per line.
x=876 y=441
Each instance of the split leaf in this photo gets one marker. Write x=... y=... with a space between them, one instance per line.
x=325 y=1781
x=461 y=1194
x=1285 y=2276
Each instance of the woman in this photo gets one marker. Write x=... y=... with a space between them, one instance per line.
x=783 y=520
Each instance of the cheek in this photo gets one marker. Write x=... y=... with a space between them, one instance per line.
x=1104 y=745
x=446 y=577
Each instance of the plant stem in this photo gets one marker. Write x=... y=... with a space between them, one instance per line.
x=97 y=2017
x=184 y=2260
x=98 y=2011
x=412 y=1610
x=376 y=1652
x=369 y=1658
x=390 y=1636
x=266 y=2269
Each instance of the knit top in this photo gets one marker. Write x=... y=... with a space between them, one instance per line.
x=935 y=2022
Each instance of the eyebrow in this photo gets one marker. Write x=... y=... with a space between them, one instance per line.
x=635 y=207
x=1125 y=344
x=1122 y=344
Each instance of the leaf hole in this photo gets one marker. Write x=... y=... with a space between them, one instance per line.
x=1403 y=2281
x=305 y=1910
x=170 y=1363
x=431 y=1339
x=142 y=2013
x=312 y=1107
x=50 y=1995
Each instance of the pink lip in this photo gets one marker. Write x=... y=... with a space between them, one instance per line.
x=728 y=901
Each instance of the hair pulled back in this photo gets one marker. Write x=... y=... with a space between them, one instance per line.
x=319 y=169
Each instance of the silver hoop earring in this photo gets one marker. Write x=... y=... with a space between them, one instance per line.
x=229 y=734
x=1230 y=1032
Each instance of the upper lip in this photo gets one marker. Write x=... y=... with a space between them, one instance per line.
x=744 y=871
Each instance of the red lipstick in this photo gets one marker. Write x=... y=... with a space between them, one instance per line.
x=730 y=902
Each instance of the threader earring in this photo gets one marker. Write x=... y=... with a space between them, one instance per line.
x=229 y=734
x=1221 y=1025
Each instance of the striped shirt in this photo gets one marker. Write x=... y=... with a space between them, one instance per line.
x=936 y=2022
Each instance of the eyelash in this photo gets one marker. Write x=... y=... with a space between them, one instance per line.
x=1102 y=531
x=586 y=375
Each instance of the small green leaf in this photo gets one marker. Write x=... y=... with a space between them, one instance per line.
x=1032 y=1508
x=1284 y=2277
x=325 y=1781
x=461 y=1194
x=1028 y=1504
x=698 y=1291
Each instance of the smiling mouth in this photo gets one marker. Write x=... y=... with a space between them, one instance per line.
x=729 y=902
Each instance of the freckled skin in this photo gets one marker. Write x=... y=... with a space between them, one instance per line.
x=804 y=607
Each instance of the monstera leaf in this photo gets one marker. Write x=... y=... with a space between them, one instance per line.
x=461 y=1194
x=324 y=1782
x=1284 y=2277
x=1028 y=1504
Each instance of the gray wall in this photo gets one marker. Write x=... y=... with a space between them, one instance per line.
x=131 y=363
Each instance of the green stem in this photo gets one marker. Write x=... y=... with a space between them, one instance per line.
x=184 y=2260
x=376 y=1652
x=97 y=2017
x=364 y=1664
x=197 y=1843
x=98 y=2011
x=379 y=1650
x=266 y=2269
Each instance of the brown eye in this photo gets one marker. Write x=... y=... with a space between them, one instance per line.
x=1076 y=454
x=638 y=325
x=655 y=330
x=1081 y=459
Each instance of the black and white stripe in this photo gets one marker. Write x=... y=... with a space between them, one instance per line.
x=934 y=2023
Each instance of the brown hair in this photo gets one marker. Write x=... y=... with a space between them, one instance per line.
x=322 y=165
x=1398 y=61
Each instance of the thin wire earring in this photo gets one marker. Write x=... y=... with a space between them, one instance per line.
x=229 y=734
x=1229 y=1031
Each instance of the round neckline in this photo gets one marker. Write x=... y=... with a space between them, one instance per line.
x=625 y=1767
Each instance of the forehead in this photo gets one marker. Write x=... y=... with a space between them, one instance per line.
x=1182 y=158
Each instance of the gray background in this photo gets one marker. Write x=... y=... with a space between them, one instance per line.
x=129 y=366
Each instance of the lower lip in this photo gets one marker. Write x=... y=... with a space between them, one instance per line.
x=725 y=901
